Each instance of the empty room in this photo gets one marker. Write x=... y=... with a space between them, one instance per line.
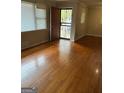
x=61 y=46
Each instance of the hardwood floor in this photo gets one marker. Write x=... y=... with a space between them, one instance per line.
x=64 y=67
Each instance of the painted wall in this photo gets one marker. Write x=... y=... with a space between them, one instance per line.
x=80 y=21
x=94 y=21
x=32 y=38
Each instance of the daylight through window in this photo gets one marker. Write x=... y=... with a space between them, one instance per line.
x=32 y=18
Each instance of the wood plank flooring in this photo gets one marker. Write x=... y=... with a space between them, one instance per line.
x=64 y=66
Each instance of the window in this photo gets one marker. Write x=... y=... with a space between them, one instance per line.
x=27 y=17
x=83 y=15
x=32 y=18
x=40 y=18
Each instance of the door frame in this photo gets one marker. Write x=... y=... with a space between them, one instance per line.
x=60 y=23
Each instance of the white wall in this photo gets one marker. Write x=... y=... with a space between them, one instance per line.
x=94 y=21
x=81 y=15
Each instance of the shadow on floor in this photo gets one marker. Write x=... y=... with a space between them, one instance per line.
x=96 y=42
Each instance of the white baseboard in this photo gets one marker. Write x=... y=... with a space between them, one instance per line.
x=79 y=37
x=35 y=45
x=86 y=35
x=94 y=35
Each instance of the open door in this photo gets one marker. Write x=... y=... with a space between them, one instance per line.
x=55 y=23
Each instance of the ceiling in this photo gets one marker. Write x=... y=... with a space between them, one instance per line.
x=88 y=2
x=91 y=2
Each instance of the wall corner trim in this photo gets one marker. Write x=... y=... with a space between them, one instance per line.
x=79 y=37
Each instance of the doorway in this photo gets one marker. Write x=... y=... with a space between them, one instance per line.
x=66 y=22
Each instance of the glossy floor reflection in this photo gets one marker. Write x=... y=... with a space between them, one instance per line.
x=64 y=67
